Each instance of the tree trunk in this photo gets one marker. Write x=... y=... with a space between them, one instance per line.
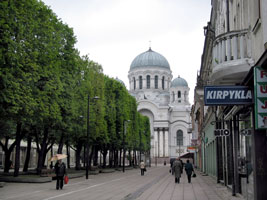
x=90 y=156
x=84 y=157
x=41 y=153
x=68 y=154
x=120 y=156
x=52 y=153
x=78 y=155
x=110 y=158
x=8 y=162
x=61 y=143
x=135 y=158
x=105 y=152
x=17 y=157
x=95 y=161
x=28 y=154
x=116 y=158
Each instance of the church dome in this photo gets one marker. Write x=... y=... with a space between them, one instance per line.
x=119 y=81
x=177 y=82
x=150 y=59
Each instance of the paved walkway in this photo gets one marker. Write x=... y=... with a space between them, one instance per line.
x=157 y=184
x=201 y=188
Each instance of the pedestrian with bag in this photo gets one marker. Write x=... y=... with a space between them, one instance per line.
x=189 y=169
x=177 y=168
x=142 y=167
x=182 y=165
x=60 y=169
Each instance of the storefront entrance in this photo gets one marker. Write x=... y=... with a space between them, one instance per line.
x=245 y=161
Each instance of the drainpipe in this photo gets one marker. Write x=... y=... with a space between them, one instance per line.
x=227 y=16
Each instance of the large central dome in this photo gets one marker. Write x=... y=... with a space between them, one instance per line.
x=150 y=59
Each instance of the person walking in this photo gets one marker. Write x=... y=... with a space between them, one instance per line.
x=189 y=169
x=142 y=167
x=60 y=169
x=176 y=168
x=182 y=165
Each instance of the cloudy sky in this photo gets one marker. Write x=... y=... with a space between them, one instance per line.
x=114 y=32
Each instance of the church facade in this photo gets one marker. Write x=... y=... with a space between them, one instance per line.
x=164 y=101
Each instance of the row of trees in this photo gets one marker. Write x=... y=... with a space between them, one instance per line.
x=44 y=89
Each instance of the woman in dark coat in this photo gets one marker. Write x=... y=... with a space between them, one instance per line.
x=176 y=168
x=189 y=169
x=60 y=169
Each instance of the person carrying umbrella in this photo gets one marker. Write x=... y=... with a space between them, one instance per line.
x=60 y=169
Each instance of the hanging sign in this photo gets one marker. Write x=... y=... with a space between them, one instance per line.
x=260 y=93
x=227 y=95
x=221 y=132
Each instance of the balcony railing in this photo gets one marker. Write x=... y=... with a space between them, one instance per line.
x=231 y=57
x=231 y=46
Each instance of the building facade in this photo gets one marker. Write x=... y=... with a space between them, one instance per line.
x=234 y=54
x=164 y=101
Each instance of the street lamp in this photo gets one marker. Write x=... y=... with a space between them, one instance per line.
x=87 y=138
x=123 y=143
x=140 y=145
x=156 y=153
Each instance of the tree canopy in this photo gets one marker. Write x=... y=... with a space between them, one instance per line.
x=45 y=85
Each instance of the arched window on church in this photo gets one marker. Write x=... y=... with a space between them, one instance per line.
x=140 y=82
x=163 y=81
x=185 y=94
x=148 y=82
x=134 y=83
x=180 y=138
x=156 y=82
x=179 y=94
x=173 y=97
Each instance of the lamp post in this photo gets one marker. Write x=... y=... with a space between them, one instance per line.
x=140 y=145
x=123 y=143
x=156 y=153
x=88 y=133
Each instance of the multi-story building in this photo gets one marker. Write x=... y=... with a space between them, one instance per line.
x=234 y=54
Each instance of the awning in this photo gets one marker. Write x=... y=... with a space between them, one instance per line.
x=188 y=155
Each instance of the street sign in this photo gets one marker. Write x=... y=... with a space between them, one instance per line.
x=246 y=132
x=227 y=95
x=260 y=93
x=221 y=132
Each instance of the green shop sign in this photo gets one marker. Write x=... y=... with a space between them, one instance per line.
x=260 y=91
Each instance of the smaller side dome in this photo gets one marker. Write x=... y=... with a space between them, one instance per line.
x=178 y=82
x=119 y=81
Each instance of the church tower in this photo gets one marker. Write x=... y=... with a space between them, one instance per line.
x=164 y=102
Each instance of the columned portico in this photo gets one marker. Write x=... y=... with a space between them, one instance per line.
x=161 y=142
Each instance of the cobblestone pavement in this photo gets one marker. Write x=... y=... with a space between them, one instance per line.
x=156 y=184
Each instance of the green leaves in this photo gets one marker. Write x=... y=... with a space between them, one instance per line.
x=44 y=82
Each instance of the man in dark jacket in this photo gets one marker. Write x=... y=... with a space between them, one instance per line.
x=176 y=168
x=189 y=169
x=60 y=169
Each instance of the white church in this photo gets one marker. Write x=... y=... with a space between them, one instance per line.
x=165 y=102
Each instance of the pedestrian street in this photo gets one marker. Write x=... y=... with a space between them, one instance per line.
x=157 y=183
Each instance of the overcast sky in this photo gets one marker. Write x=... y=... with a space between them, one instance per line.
x=114 y=32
